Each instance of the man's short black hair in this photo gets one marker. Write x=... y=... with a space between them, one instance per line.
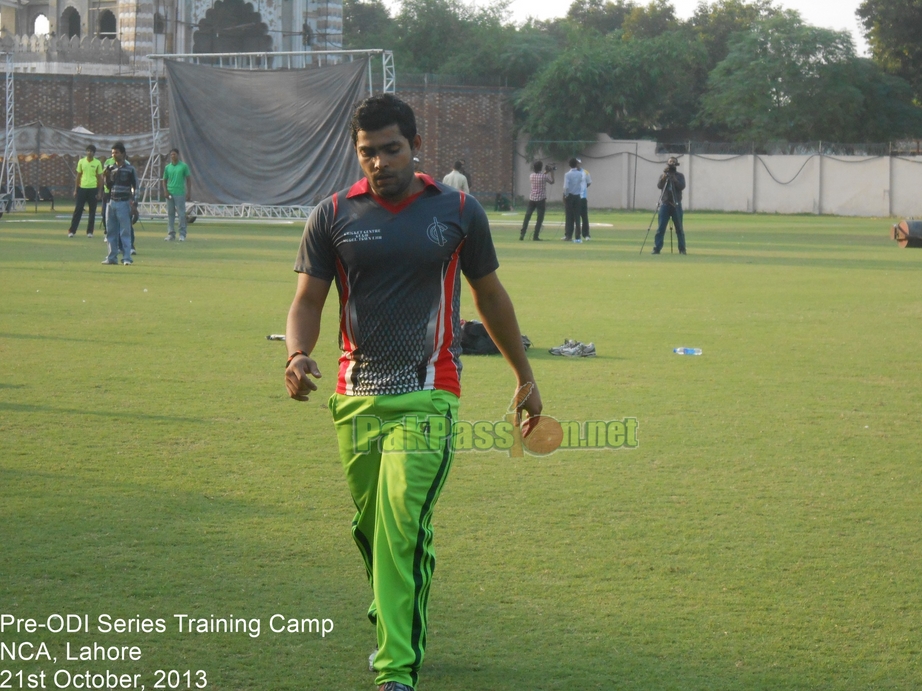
x=458 y=165
x=176 y=150
x=574 y=162
x=377 y=112
x=537 y=166
x=92 y=148
x=118 y=146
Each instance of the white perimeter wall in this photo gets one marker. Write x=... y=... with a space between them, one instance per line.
x=624 y=176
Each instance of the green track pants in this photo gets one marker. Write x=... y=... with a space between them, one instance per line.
x=396 y=451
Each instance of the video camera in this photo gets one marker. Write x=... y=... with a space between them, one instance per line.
x=548 y=167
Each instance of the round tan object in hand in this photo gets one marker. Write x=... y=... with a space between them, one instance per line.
x=541 y=435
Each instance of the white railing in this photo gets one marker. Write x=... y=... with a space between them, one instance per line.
x=156 y=209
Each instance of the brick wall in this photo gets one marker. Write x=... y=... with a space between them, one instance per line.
x=107 y=105
x=473 y=125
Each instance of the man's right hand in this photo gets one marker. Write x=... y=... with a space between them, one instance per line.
x=298 y=377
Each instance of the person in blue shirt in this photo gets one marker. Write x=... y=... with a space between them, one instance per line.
x=572 y=194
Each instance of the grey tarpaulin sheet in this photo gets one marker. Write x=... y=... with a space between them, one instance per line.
x=37 y=139
x=265 y=137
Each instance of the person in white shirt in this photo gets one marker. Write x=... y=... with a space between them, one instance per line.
x=457 y=179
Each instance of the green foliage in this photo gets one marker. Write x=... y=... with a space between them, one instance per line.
x=716 y=22
x=502 y=51
x=598 y=16
x=450 y=37
x=367 y=24
x=431 y=32
x=788 y=80
x=650 y=21
x=738 y=69
x=625 y=88
x=893 y=29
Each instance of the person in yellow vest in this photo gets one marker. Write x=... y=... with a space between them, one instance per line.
x=88 y=190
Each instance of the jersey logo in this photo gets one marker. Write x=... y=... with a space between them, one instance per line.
x=436 y=232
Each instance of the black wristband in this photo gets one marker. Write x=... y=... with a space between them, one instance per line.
x=294 y=355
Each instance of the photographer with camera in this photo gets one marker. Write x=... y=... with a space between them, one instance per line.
x=538 y=197
x=671 y=182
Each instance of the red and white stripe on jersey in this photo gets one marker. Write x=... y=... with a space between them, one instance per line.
x=441 y=370
x=347 y=329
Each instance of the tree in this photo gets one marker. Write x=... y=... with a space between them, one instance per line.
x=651 y=20
x=788 y=80
x=449 y=37
x=599 y=16
x=714 y=23
x=888 y=108
x=624 y=88
x=893 y=29
x=367 y=24
x=502 y=52
x=431 y=32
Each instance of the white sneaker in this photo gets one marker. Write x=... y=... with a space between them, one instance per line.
x=169 y=238
x=371 y=660
x=563 y=346
x=587 y=349
x=576 y=350
x=578 y=241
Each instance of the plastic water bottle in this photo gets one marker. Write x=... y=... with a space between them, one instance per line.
x=687 y=351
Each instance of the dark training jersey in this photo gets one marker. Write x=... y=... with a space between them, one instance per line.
x=121 y=181
x=398 y=273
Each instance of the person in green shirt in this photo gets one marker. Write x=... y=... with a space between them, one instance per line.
x=88 y=190
x=177 y=186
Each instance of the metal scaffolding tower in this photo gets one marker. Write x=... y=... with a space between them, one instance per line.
x=13 y=198
x=390 y=76
x=150 y=179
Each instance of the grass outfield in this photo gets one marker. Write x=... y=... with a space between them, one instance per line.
x=765 y=535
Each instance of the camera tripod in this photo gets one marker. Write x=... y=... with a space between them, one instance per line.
x=662 y=200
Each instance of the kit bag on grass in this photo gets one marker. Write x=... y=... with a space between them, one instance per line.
x=476 y=341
